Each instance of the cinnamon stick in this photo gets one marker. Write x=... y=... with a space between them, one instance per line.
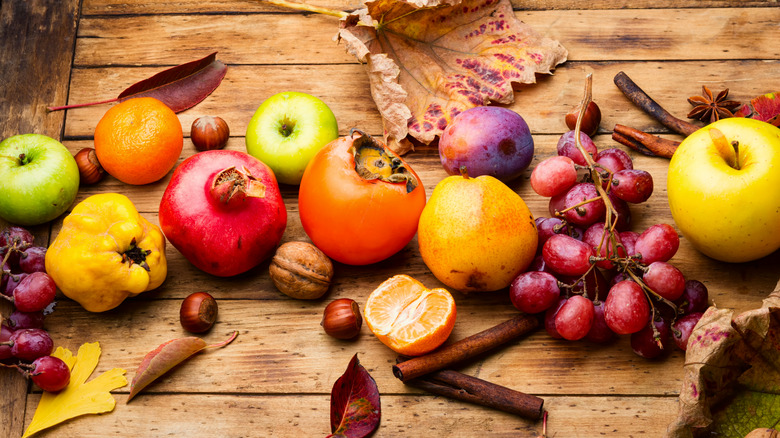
x=465 y=348
x=452 y=384
x=651 y=107
x=643 y=142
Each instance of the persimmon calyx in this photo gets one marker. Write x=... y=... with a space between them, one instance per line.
x=373 y=161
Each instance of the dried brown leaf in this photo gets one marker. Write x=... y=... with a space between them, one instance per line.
x=431 y=60
x=731 y=383
x=163 y=358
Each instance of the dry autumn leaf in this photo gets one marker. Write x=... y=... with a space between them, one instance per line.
x=79 y=397
x=429 y=60
x=731 y=384
x=163 y=358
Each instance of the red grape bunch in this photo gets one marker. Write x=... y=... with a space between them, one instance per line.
x=593 y=276
x=24 y=344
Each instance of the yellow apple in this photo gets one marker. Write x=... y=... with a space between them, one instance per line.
x=724 y=189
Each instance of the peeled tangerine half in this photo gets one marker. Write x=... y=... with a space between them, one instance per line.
x=409 y=318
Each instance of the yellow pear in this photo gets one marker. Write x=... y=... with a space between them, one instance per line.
x=476 y=234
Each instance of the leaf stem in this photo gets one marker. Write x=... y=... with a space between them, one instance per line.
x=80 y=105
x=309 y=8
x=224 y=343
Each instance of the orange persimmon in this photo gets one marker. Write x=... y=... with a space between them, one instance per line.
x=359 y=202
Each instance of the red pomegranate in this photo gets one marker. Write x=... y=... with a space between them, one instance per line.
x=223 y=211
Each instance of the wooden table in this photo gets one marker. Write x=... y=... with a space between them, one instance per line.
x=275 y=379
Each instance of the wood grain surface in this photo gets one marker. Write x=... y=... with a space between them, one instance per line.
x=275 y=379
x=37 y=39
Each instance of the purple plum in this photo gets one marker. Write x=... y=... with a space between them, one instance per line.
x=487 y=140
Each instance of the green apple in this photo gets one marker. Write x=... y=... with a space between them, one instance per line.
x=39 y=179
x=724 y=189
x=287 y=130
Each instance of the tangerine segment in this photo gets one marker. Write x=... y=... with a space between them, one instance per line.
x=409 y=318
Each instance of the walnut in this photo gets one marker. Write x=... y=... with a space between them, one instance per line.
x=300 y=270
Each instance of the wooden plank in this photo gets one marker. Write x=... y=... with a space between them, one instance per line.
x=589 y=35
x=112 y=7
x=285 y=416
x=35 y=64
x=345 y=89
x=36 y=45
x=281 y=348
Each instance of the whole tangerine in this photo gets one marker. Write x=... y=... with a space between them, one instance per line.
x=139 y=140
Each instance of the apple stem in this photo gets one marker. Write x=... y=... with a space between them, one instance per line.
x=724 y=147
x=463 y=172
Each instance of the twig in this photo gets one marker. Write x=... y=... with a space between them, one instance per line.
x=651 y=107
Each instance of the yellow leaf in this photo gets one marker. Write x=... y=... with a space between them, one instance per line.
x=79 y=398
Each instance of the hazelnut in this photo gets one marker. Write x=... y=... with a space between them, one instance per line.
x=198 y=312
x=208 y=133
x=90 y=170
x=590 y=121
x=342 y=319
x=300 y=270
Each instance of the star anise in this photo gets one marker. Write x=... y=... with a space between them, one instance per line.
x=709 y=108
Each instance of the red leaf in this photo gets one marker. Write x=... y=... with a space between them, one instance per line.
x=765 y=108
x=160 y=360
x=180 y=87
x=354 y=403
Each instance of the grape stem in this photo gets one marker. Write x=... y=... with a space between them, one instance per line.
x=629 y=263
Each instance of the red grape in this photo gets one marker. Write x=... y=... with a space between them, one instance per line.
x=33 y=259
x=613 y=160
x=538 y=264
x=567 y=255
x=665 y=280
x=629 y=241
x=585 y=214
x=30 y=344
x=599 y=331
x=623 y=219
x=5 y=336
x=23 y=320
x=657 y=243
x=534 y=292
x=50 y=373
x=574 y=318
x=595 y=285
x=644 y=342
x=596 y=237
x=17 y=236
x=553 y=176
x=35 y=292
x=568 y=148
x=548 y=227
x=557 y=204
x=682 y=328
x=626 y=309
x=695 y=297
x=632 y=185
x=13 y=281
x=549 y=318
